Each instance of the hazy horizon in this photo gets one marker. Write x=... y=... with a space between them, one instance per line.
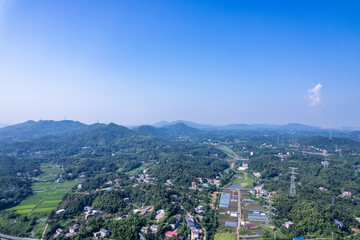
x=352 y=128
x=217 y=62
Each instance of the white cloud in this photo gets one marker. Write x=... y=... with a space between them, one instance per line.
x=314 y=95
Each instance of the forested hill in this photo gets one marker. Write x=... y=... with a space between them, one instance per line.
x=102 y=138
x=327 y=143
x=30 y=130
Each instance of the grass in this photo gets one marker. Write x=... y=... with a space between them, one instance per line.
x=225 y=236
x=228 y=151
x=136 y=170
x=242 y=179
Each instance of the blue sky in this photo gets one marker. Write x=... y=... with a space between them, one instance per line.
x=217 y=62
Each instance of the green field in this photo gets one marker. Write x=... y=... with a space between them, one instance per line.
x=228 y=151
x=225 y=236
x=49 y=172
x=51 y=197
x=135 y=170
x=242 y=179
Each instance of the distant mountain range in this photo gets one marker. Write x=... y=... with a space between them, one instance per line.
x=39 y=129
x=290 y=126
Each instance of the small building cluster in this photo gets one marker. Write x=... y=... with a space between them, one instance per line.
x=287 y=224
x=103 y=233
x=345 y=194
x=72 y=230
x=144 y=210
x=153 y=228
x=259 y=191
x=89 y=212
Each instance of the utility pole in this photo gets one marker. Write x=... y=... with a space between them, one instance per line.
x=292 y=184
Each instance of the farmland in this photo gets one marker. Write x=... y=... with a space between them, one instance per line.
x=45 y=198
x=225 y=236
x=228 y=151
x=242 y=179
x=49 y=172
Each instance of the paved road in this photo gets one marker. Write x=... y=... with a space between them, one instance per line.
x=15 y=238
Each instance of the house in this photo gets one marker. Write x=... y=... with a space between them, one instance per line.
x=257 y=174
x=145 y=230
x=263 y=192
x=59 y=231
x=177 y=223
x=242 y=168
x=193 y=184
x=109 y=183
x=344 y=194
x=200 y=209
x=127 y=200
x=79 y=186
x=195 y=234
x=160 y=211
x=60 y=211
x=171 y=233
x=74 y=229
x=322 y=189
x=191 y=223
x=169 y=181
x=87 y=209
x=59 y=180
x=287 y=224
x=234 y=214
x=154 y=228
x=102 y=233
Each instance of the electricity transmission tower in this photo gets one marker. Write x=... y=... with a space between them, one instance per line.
x=292 y=185
x=270 y=210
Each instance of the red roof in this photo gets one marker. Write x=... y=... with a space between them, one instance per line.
x=170 y=233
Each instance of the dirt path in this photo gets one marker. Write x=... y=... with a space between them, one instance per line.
x=43 y=234
x=213 y=199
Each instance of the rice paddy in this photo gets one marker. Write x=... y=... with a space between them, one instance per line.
x=46 y=198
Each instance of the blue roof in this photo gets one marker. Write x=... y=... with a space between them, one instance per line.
x=230 y=224
x=234 y=186
x=224 y=200
x=299 y=238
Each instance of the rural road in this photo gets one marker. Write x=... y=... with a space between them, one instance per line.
x=239 y=215
x=15 y=238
